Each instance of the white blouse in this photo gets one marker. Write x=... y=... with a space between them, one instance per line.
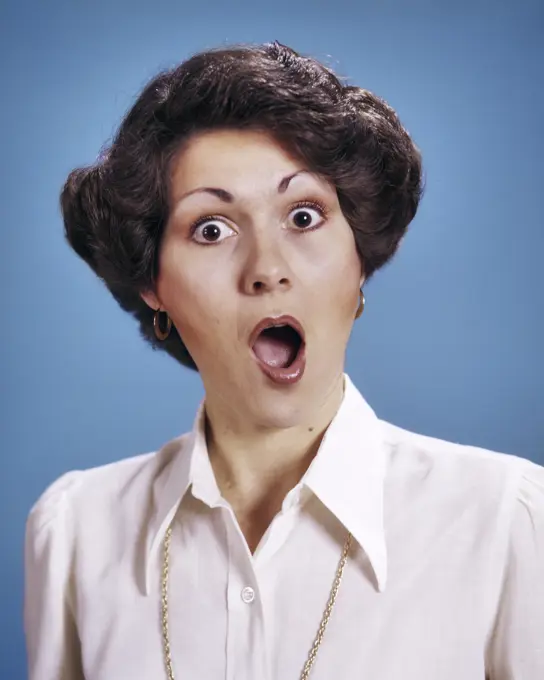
x=444 y=580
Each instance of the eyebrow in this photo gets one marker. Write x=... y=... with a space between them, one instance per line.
x=227 y=197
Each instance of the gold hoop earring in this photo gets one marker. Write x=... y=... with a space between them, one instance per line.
x=361 y=306
x=159 y=333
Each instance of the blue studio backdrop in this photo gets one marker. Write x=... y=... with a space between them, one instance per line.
x=451 y=341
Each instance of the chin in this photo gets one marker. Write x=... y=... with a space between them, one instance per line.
x=276 y=416
x=279 y=408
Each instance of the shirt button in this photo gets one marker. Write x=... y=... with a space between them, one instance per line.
x=248 y=594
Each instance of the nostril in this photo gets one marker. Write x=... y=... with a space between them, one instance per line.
x=261 y=285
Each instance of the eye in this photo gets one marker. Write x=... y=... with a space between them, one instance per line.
x=308 y=215
x=210 y=230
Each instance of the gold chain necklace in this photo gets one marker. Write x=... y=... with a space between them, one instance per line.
x=320 y=632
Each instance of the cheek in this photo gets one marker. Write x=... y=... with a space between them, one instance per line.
x=197 y=318
x=204 y=332
x=193 y=299
x=339 y=275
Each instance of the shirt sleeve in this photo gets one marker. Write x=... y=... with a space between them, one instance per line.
x=53 y=651
x=517 y=645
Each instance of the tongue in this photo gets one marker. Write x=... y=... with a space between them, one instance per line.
x=275 y=350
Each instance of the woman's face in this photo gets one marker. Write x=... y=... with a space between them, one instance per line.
x=247 y=240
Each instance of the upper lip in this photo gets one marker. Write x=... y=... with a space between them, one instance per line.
x=271 y=322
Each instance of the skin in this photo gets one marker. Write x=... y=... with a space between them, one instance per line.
x=261 y=436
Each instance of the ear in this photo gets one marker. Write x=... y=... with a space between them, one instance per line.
x=363 y=275
x=151 y=300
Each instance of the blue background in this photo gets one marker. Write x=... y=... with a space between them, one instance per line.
x=451 y=341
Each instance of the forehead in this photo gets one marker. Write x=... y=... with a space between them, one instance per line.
x=232 y=159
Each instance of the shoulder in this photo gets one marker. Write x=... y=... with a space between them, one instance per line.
x=96 y=492
x=437 y=453
x=462 y=473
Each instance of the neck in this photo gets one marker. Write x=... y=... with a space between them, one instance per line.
x=255 y=467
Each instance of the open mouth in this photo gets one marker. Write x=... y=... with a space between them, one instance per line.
x=278 y=345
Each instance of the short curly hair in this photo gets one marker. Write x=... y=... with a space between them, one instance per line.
x=115 y=210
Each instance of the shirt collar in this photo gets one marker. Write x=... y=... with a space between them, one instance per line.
x=187 y=465
x=347 y=475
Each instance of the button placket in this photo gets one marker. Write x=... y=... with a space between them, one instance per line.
x=245 y=638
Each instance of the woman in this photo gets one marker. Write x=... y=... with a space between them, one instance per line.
x=244 y=202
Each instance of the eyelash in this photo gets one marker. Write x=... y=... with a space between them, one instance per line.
x=316 y=205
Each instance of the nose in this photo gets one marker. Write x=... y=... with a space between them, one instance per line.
x=265 y=270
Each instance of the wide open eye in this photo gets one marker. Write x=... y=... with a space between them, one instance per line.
x=210 y=230
x=307 y=216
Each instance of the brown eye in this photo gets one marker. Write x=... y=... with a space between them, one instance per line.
x=212 y=231
x=302 y=219
x=307 y=217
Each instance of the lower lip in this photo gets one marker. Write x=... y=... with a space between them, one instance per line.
x=288 y=375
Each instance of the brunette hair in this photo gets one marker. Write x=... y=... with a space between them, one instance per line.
x=115 y=210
